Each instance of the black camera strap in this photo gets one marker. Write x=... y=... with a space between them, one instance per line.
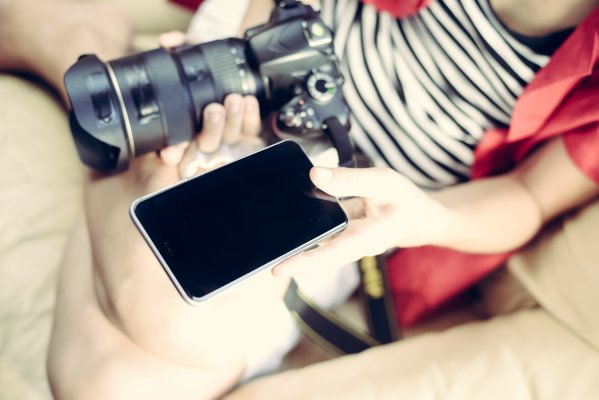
x=286 y=2
x=334 y=333
x=377 y=299
x=339 y=137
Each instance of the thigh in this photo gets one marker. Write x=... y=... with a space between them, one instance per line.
x=90 y=358
x=193 y=352
x=524 y=355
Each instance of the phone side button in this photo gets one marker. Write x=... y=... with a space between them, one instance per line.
x=314 y=246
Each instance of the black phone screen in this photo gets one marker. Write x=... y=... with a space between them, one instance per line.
x=217 y=228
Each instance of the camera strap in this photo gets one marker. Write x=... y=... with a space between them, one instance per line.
x=339 y=136
x=336 y=334
x=286 y=2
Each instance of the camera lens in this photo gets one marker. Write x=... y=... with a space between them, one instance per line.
x=144 y=102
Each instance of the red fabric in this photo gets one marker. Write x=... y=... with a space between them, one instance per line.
x=398 y=8
x=562 y=99
x=191 y=5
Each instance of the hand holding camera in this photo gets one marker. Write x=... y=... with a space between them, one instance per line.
x=229 y=130
x=145 y=102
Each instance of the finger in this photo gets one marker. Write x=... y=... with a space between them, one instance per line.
x=379 y=183
x=212 y=131
x=234 y=107
x=188 y=166
x=172 y=155
x=252 y=125
x=354 y=207
x=314 y=3
x=172 y=39
x=194 y=162
x=351 y=245
x=339 y=251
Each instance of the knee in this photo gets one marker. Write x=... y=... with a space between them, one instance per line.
x=85 y=376
x=125 y=373
x=68 y=381
x=83 y=356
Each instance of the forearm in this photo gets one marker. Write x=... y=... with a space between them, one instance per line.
x=10 y=57
x=259 y=10
x=502 y=213
x=489 y=216
x=257 y=13
x=44 y=38
x=22 y=44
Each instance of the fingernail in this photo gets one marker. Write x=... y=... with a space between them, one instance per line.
x=323 y=174
x=250 y=105
x=171 y=39
x=235 y=107
x=214 y=116
x=190 y=170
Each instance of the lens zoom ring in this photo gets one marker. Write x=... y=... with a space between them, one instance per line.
x=223 y=67
x=170 y=95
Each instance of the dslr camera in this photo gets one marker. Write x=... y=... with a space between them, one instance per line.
x=144 y=102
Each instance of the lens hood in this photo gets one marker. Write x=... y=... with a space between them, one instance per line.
x=96 y=116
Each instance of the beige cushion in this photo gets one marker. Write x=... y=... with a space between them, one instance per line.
x=561 y=271
x=40 y=189
x=152 y=16
x=519 y=356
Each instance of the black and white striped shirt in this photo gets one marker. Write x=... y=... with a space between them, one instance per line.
x=423 y=89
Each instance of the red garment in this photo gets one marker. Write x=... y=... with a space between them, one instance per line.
x=191 y=5
x=398 y=8
x=561 y=100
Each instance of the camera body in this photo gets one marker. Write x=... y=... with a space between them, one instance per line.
x=144 y=102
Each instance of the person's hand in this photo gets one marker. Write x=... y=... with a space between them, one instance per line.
x=394 y=213
x=236 y=122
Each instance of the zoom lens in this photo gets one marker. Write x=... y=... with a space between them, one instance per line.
x=142 y=103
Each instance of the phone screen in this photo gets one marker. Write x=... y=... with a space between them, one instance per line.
x=215 y=229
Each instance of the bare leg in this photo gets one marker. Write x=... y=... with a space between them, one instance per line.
x=45 y=37
x=90 y=358
x=529 y=349
x=122 y=330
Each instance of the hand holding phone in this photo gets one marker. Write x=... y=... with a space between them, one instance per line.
x=216 y=229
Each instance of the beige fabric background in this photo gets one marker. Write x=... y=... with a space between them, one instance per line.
x=40 y=192
x=561 y=271
x=40 y=189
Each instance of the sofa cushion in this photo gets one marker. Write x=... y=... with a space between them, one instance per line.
x=561 y=271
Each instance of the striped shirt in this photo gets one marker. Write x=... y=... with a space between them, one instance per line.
x=423 y=89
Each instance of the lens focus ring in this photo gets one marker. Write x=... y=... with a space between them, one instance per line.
x=224 y=67
x=170 y=95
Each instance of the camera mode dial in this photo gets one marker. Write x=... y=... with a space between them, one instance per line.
x=321 y=86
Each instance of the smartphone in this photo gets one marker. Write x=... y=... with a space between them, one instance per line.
x=214 y=230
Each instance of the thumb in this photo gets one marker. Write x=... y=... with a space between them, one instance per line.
x=172 y=39
x=172 y=155
x=375 y=183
